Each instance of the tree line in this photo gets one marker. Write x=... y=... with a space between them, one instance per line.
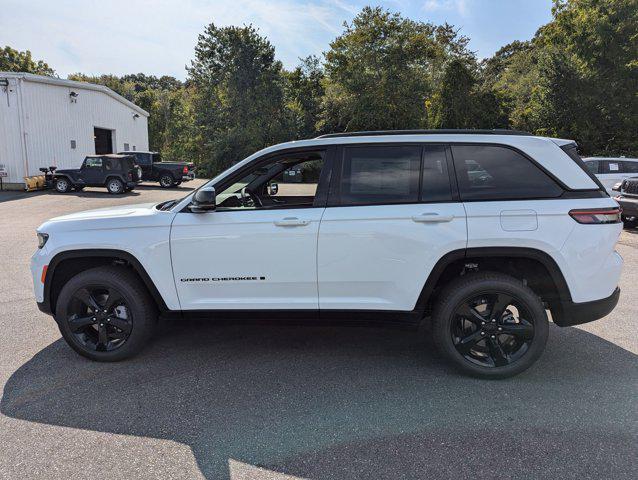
x=576 y=78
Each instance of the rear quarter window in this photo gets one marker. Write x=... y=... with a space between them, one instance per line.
x=491 y=172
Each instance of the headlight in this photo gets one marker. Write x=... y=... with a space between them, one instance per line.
x=42 y=239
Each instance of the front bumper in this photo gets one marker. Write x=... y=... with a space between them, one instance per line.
x=578 y=313
x=629 y=206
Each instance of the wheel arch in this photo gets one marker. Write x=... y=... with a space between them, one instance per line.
x=117 y=176
x=534 y=266
x=67 y=264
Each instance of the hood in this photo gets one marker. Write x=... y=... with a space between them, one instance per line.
x=111 y=217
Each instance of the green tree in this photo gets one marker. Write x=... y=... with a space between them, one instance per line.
x=304 y=92
x=590 y=67
x=380 y=71
x=14 y=61
x=239 y=95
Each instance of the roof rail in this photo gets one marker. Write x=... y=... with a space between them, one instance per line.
x=369 y=133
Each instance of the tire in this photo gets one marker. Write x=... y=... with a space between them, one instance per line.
x=115 y=186
x=481 y=346
x=166 y=180
x=62 y=185
x=140 y=314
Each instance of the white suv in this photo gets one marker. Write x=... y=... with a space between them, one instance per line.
x=479 y=232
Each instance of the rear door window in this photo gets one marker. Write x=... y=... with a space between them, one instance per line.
x=490 y=172
x=380 y=175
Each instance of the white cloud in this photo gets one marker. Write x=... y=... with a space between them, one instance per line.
x=158 y=37
x=459 y=6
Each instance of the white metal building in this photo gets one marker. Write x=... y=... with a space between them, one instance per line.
x=49 y=121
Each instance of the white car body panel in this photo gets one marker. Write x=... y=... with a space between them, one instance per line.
x=141 y=230
x=246 y=243
x=377 y=257
x=584 y=253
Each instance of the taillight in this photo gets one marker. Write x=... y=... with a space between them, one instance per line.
x=185 y=169
x=597 y=216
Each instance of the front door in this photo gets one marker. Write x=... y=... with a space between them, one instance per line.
x=258 y=249
x=394 y=214
x=93 y=171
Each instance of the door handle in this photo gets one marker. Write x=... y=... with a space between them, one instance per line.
x=432 y=218
x=291 y=222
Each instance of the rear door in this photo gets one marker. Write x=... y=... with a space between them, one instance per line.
x=393 y=212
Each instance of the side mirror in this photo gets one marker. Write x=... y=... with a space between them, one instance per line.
x=203 y=201
x=273 y=188
x=616 y=187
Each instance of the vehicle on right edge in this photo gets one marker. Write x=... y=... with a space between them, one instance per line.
x=478 y=233
x=627 y=198
x=612 y=170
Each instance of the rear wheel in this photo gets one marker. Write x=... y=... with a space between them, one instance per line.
x=166 y=180
x=115 y=186
x=490 y=325
x=105 y=314
x=62 y=185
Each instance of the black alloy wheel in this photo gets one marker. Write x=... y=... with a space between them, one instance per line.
x=491 y=330
x=489 y=324
x=106 y=313
x=99 y=318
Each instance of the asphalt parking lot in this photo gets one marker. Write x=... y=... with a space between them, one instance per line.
x=284 y=402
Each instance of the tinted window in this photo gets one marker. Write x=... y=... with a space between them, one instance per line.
x=488 y=172
x=629 y=167
x=435 y=184
x=143 y=158
x=93 y=162
x=592 y=166
x=377 y=175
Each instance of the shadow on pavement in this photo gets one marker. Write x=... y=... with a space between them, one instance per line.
x=355 y=403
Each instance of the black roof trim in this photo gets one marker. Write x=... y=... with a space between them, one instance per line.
x=452 y=131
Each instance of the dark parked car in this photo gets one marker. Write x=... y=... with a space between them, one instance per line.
x=118 y=173
x=168 y=174
x=628 y=200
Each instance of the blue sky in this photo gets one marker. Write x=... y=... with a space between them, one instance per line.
x=158 y=36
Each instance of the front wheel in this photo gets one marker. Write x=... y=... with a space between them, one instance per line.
x=115 y=186
x=105 y=314
x=490 y=325
x=62 y=185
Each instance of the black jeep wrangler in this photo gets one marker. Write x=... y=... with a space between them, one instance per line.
x=118 y=173
x=168 y=174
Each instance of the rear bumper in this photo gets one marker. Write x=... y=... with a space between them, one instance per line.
x=188 y=177
x=629 y=206
x=579 y=313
